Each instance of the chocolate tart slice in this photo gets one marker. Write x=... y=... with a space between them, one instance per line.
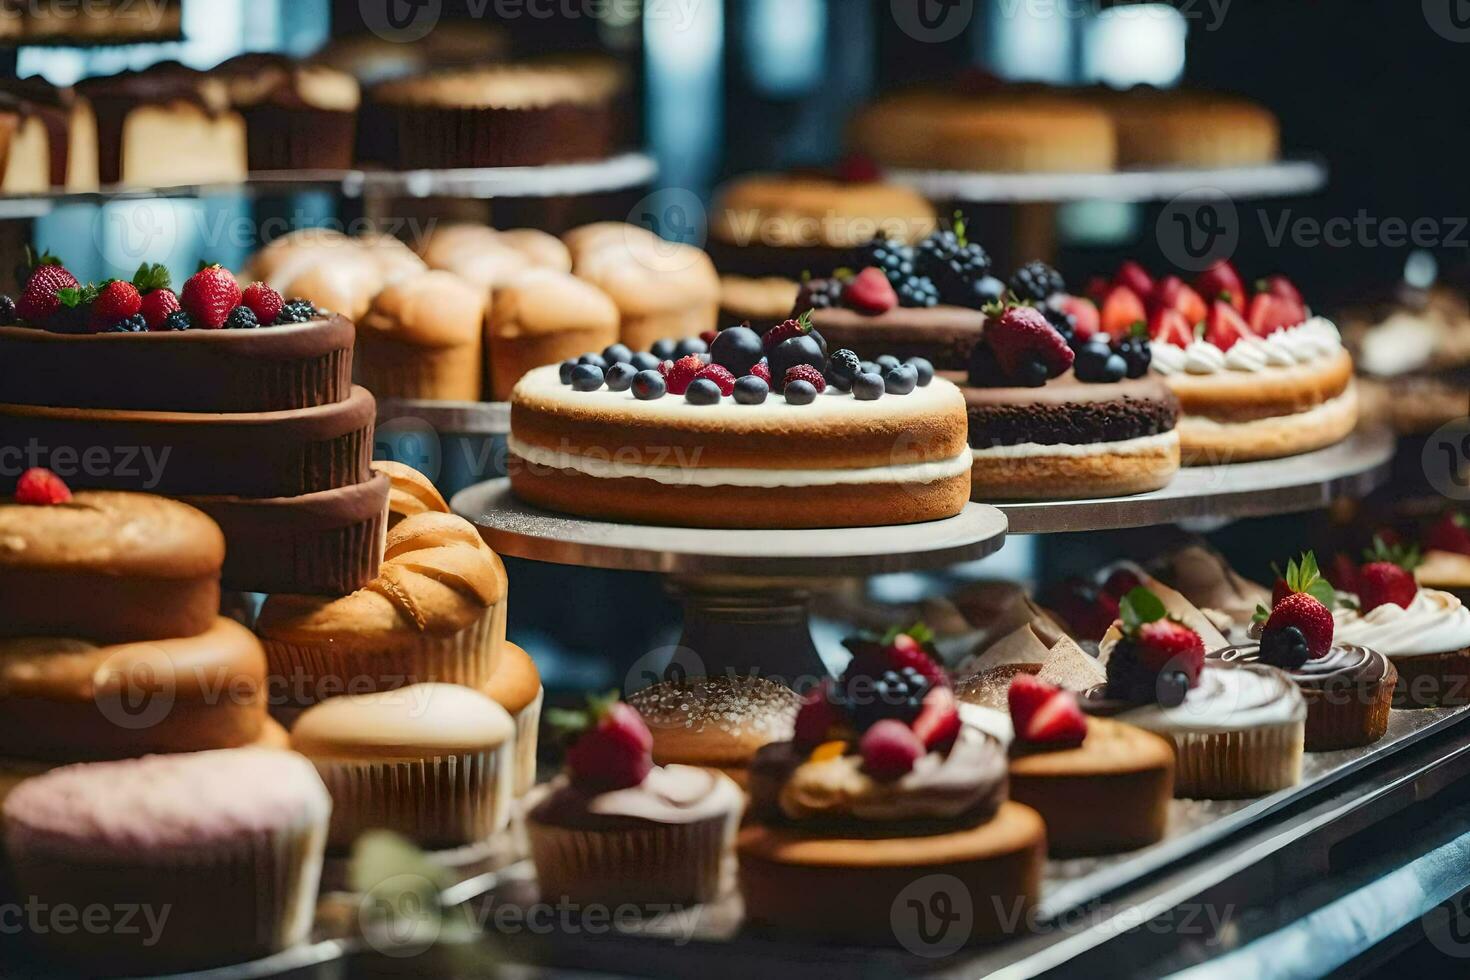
x=272 y=369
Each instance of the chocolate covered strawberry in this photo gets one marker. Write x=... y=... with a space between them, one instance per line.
x=1045 y=715
x=1157 y=658
x=610 y=746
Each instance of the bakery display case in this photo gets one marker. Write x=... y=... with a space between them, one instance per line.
x=935 y=490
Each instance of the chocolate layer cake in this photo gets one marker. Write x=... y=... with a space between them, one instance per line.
x=271 y=369
x=942 y=335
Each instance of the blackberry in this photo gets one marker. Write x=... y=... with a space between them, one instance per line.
x=137 y=323
x=893 y=257
x=954 y=263
x=917 y=292
x=1063 y=321
x=241 y=318
x=1037 y=281
x=297 y=311
x=895 y=694
x=1136 y=352
x=819 y=294
x=845 y=365
x=8 y=315
x=178 y=320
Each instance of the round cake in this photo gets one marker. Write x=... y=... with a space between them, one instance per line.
x=1171 y=128
x=942 y=335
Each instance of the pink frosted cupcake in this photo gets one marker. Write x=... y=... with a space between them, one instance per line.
x=614 y=828
x=220 y=851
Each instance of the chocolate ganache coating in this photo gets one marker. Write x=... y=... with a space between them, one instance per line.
x=1345 y=665
x=1068 y=412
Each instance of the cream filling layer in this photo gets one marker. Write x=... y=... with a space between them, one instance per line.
x=1435 y=622
x=1328 y=411
x=1144 y=445
x=717 y=476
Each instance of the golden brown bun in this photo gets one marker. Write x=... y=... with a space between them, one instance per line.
x=343 y=283
x=542 y=316
x=411 y=493
x=663 y=290
x=421 y=339
x=789 y=211
x=516 y=682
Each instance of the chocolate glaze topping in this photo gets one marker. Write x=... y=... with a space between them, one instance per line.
x=1067 y=412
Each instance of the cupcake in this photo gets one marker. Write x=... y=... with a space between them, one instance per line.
x=421 y=339
x=434 y=763
x=436 y=613
x=544 y=317
x=1102 y=786
x=1238 y=728
x=410 y=493
x=395 y=260
x=516 y=687
x=615 y=829
x=229 y=842
x=298 y=116
x=882 y=784
x=717 y=722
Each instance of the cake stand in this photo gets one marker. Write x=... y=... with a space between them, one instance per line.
x=746 y=594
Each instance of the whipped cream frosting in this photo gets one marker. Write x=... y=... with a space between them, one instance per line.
x=669 y=795
x=1435 y=622
x=1125 y=447
x=1311 y=341
x=719 y=476
x=1227 y=699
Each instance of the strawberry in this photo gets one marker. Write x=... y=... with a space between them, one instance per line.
x=157 y=306
x=38 y=301
x=890 y=749
x=678 y=375
x=912 y=648
x=1170 y=293
x=264 y=302
x=1087 y=611
x=1043 y=714
x=1121 y=582
x=1158 y=659
x=938 y=723
x=1134 y=277
x=1303 y=576
x=762 y=370
x=870 y=293
x=799 y=327
x=1224 y=327
x=1121 y=309
x=720 y=376
x=1449 y=534
x=817 y=716
x=1028 y=348
x=1221 y=282
x=210 y=295
x=38 y=487
x=1097 y=290
x=1269 y=314
x=1168 y=643
x=1282 y=287
x=117 y=301
x=1388 y=576
x=1170 y=327
x=1086 y=319
x=1311 y=619
x=807 y=373
x=612 y=747
x=1344 y=573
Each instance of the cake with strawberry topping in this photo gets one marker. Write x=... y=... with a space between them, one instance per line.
x=743 y=432
x=1102 y=786
x=1446 y=555
x=1238 y=728
x=616 y=829
x=1425 y=633
x=1257 y=375
x=882 y=778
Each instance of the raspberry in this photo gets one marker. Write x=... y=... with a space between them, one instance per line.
x=38 y=487
x=210 y=295
x=1026 y=346
x=117 y=302
x=720 y=376
x=680 y=374
x=799 y=327
x=817 y=717
x=263 y=301
x=614 y=751
x=807 y=373
x=762 y=370
x=157 y=306
x=890 y=749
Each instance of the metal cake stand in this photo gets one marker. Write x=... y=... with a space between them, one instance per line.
x=746 y=594
x=1353 y=467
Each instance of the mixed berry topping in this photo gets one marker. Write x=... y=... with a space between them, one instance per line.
x=1158 y=658
x=954 y=264
x=896 y=262
x=41 y=488
x=1045 y=715
x=1299 y=626
x=1218 y=307
x=1019 y=349
x=608 y=745
x=1037 y=282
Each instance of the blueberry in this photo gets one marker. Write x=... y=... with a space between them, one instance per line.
x=702 y=391
x=985 y=370
x=801 y=393
x=663 y=349
x=986 y=291
x=690 y=345
x=645 y=361
x=751 y=390
x=1033 y=373
x=925 y=369
x=796 y=350
x=617 y=354
x=620 y=376
x=901 y=380
x=595 y=360
x=587 y=377
x=567 y=367
x=868 y=367
x=1284 y=647
x=738 y=349
x=835 y=380
x=1115 y=370
x=868 y=386
x=1172 y=688
x=649 y=386
x=1091 y=364
x=845 y=365
x=887 y=362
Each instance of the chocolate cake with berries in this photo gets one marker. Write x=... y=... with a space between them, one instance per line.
x=235 y=400
x=746 y=432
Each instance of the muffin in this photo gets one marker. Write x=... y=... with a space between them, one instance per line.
x=516 y=687
x=663 y=290
x=109 y=567
x=435 y=614
x=432 y=762
x=615 y=829
x=1427 y=640
x=543 y=317
x=716 y=722
x=236 y=869
x=395 y=260
x=421 y=339
x=411 y=492
x=298 y=116
x=335 y=275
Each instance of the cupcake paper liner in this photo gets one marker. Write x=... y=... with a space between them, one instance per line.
x=431 y=137
x=1432 y=681
x=675 y=864
x=447 y=802
x=305 y=138
x=1347 y=718
x=528 y=728
x=390 y=369
x=1235 y=765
